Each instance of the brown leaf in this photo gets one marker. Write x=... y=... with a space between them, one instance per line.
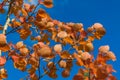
x=44 y=52
x=78 y=77
x=76 y=56
x=83 y=34
x=33 y=77
x=48 y=3
x=65 y=55
x=68 y=40
x=3 y=73
x=24 y=33
x=65 y=73
x=42 y=14
x=24 y=12
x=45 y=38
x=88 y=47
x=52 y=74
x=3 y=43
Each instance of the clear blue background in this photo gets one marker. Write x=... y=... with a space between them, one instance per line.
x=87 y=12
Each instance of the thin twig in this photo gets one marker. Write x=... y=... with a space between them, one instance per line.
x=49 y=69
x=7 y=21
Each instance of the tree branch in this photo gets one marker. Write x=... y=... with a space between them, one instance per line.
x=7 y=20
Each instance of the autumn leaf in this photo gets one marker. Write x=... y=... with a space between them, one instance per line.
x=65 y=55
x=44 y=52
x=78 y=59
x=62 y=64
x=3 y=43
x=68 y=40
x=24 y=33
x=65 y=73
x=58 y=48
x=24 y=12
x=3 y=73
x=48 y=3
x=2 y=61
x=42 y=14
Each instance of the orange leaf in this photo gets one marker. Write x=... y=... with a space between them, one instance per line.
x=48 y=3
x=24 y=33
x=24 y=12
x=78 y=59
x=3 y=43
x=2 y=61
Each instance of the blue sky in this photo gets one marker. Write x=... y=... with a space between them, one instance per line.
x=87 y=12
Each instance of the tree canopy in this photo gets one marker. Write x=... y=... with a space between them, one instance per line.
x=34 y=23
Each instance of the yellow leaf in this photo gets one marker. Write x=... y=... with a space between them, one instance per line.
x=68 y=40
x=76 y=56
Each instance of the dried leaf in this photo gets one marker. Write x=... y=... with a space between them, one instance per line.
x=68 y=40
x=44 y=52
x=88 y=47
x=83 y=34
x=24 y=33
x=3 y=73
x=24 y=51
x=78 y=77
x=33 y=77
x=48 y=3
x=24 y=12
x=3 y=43
x=65 y=73
x=65 y=55
x=78 y=59
x=52 y=74
x=42 y=14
